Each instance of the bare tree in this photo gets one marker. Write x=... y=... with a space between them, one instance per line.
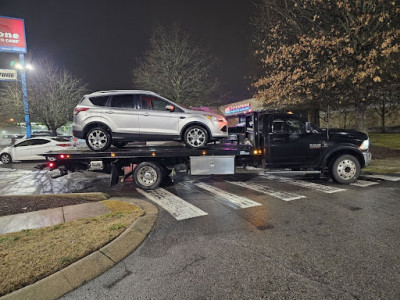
x=177 y=68
x=52 y=94
x=385 y=103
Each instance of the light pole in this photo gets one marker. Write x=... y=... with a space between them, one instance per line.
x=21 y=67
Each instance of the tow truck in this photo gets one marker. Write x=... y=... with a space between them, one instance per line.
x=272 y=141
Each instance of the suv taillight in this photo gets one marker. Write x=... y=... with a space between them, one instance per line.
x=77 y=110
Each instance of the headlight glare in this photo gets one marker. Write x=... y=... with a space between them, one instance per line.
x=364 y=145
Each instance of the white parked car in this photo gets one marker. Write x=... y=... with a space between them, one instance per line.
x=30 y=149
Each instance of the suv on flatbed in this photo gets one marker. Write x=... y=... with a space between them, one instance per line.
x=108 y=118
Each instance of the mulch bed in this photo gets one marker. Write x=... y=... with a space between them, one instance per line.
x=379 y=152
x=10 y=205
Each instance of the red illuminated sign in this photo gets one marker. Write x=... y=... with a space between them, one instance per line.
x=237 y=108
x=12 y=35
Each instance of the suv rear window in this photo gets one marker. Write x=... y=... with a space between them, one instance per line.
x=99 y=101
x=123 y=101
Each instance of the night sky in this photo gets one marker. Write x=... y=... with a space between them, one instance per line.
x=100 y=41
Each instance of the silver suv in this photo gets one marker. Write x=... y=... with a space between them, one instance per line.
x=116 y=117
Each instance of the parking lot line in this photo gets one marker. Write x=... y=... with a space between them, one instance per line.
x=302 y=183
x=363 y=183
x=384 y=177
x=285 y=196
x=237 y=201
x=177 y=207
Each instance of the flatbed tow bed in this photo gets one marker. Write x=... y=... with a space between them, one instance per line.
x=149 y=165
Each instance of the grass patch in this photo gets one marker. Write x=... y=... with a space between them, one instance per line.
x=387 y=140
x=31 y=255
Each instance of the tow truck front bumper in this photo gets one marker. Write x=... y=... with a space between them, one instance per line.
x=367 y=157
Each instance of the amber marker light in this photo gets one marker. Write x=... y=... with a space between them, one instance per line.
x=203 y=152
x=153 y=154
x=113 y=154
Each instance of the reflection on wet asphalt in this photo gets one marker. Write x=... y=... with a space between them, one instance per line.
x=26 y=182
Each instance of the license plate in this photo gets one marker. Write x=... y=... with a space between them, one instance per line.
x=96 y=165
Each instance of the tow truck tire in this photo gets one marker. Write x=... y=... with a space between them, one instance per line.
x=98 y=139
x=119 y=144
x=345 y=169
x=195 y=136
x=6 y=158
x=148 y=175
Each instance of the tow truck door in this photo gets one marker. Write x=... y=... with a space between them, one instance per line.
x=290 y=146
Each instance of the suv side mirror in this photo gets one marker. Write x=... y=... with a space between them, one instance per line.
x=171 y=108
x=308 y=127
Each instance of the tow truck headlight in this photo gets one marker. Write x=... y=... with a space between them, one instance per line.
x=364 y=145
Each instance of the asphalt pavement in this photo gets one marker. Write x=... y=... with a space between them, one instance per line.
x=259 y=236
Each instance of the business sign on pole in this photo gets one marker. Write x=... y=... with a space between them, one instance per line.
x=8 y=74
x=12 y=35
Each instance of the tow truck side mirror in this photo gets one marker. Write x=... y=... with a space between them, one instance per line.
x=308 y=127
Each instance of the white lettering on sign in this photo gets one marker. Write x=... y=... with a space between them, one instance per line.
x=9 y=35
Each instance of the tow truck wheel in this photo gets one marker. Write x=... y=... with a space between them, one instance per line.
x=345 y=169
x=196 y=136
x=6 y=158
x=98 y=139
x=119 y=144
x=148 y=175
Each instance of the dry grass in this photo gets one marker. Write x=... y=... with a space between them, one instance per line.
x=30 y=255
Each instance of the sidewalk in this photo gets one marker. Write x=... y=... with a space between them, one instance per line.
x=49 y=217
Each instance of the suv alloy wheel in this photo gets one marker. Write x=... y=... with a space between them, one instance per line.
x=98 y=139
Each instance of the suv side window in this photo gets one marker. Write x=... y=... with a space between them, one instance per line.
x=123 y=101
x=99 y=101
x=153 y=103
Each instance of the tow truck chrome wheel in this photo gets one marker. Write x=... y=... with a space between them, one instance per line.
x=196 y=136
x=6 y=158
x=98 y=139
x=147 y=175
x=345 y=169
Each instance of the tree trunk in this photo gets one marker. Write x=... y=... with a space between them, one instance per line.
x=360 y=116
x=383 y=115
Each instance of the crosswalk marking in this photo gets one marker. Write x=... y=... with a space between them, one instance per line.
x=384 y=177
x=285 y=196
x=302 y=183
x=177 y=207
x=363 y=183
x=237 y=201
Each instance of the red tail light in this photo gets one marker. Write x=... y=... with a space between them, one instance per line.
x=64 y=145
x=51 y=165
x=77 y=110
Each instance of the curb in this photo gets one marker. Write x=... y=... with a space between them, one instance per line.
x=97 y=195
x=91 y=266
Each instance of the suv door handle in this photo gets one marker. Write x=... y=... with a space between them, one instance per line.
x=278 y=139
x=109 y=112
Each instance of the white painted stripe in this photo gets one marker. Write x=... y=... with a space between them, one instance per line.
x=177 y=207
x=305 y=184
x=384 y=177
x=238 y=201
x=285 y=196
x=363 y=183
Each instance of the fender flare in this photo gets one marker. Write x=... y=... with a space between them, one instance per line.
x=340 y=149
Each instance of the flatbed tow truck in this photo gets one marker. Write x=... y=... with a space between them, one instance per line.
x=272 y=140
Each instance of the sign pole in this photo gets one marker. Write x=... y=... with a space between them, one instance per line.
x=25 y=96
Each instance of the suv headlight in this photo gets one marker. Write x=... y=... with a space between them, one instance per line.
x=364 y=145
x=212 y=118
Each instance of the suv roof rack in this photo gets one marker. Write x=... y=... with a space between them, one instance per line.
x=119 y=91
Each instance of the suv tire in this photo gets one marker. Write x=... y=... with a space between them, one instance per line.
x=195 y=136
x=345 y=169
x=98 y=139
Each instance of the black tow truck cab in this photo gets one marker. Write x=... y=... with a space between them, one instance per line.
x=272 y=140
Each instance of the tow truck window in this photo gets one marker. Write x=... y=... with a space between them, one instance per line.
x=288 y=125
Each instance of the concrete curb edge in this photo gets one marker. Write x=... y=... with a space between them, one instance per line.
x=91 y=266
